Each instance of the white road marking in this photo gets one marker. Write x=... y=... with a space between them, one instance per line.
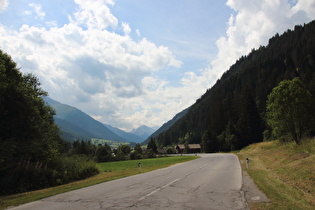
x=203 y=166
x=158 y=189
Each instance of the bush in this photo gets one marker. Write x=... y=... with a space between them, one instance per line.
x=135 y=155
x=31 y=176
x=150 y=154
x=103 y=154
x=170 y=150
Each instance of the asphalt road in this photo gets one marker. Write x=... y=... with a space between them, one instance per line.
x=211 y=182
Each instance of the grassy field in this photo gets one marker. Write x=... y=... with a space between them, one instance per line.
x=284 y=172
x=109 y=171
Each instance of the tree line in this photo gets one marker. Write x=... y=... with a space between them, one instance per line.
x=105 y=153
x=233 y=113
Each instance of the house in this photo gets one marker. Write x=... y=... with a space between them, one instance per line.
x=162 y=150
x=191 y=148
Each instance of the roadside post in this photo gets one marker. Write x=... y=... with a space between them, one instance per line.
x=140 y=167
x=247 y=164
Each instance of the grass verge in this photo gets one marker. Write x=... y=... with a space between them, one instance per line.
x=109 y=171
x=284 y=172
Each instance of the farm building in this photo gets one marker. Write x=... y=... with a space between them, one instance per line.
x=190 y=148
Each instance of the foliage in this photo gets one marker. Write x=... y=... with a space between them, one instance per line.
x=171 y=150
x=124 y=149
x=32 y=176
x=103 y=154
x=152 y=146
x=27 y=127
x=232 y=114
x=135 y=155
x=149 y=154
x=290 y=110
x=30 y=145
x=138 y=148
x=82 y=148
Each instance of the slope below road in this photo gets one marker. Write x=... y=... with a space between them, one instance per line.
x=211 y=182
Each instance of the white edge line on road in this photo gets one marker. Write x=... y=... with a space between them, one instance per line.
x=156 y=190
x=203 y=166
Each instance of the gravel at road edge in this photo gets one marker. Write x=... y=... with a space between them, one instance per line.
x=251 y=191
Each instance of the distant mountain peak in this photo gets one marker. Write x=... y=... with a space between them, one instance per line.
x=143 y=131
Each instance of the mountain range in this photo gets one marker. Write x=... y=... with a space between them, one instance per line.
x=143 y=131
x=77 y=125
x=232 y=113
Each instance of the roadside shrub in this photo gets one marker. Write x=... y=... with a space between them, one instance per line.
x=25 y=178
x=34 y=176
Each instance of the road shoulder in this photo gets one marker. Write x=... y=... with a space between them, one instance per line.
x=251 y=191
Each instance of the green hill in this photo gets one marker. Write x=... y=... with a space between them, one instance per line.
x=76 y=125
x=231 y=114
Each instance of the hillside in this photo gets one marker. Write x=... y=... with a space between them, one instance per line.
x=128 y=136
x=75 y=124
x=284 y=172
x=231 y=115
x=166 y=125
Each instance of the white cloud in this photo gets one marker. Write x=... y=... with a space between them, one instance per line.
x=305 y=6
x=114 y=77
x=126 y=28
x=138 y=33
x=37 y=10
x=87 y=66
x=3 y=5
x=95 y=14
x=252 y=25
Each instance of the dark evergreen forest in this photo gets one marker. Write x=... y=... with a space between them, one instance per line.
x=232 y=114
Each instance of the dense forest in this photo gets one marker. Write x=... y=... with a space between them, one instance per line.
x=232 y=114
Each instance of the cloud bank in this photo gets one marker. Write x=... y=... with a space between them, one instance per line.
x=92 y=62
x=251 y=26
x=3 y=5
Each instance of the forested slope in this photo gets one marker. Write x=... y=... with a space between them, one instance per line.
x=231 y=114
x=166 y=125
x=75 y=124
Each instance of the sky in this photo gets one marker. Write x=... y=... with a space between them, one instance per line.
x=129 y=63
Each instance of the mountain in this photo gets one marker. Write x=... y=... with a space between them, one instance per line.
x=128 y=136
x=166 y=125
x=143 y=131
x=75 y=124
x=232 y=113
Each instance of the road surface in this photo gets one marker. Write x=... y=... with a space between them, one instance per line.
x=211 y=182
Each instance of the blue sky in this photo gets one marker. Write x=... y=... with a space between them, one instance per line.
x=138 y=62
